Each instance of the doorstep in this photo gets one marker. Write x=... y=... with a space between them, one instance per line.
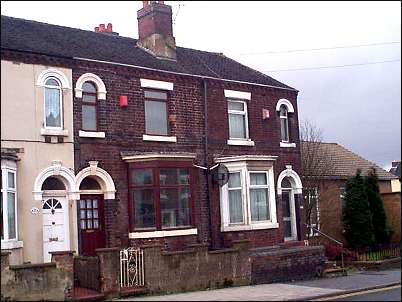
x=85 y=294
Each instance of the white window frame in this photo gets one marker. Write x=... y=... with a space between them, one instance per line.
x=286 y=118
x=238 y=112
x=315 y=225
x=7 y=242
x=248 y=224
x=243 y=199
x=266 y=186
x=60 y=88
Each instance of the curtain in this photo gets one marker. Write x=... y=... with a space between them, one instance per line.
x=237 y=126
x=284 y=129
x=259 y=204
x=11 y=215
x=235 y=206
x=52 y=107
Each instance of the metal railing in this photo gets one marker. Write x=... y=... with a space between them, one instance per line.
x=131 y=267
x=330 y=238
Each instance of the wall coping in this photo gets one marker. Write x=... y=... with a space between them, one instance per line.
x=171 y=253
x=231 y=250
x=62 y=252
x=36 y=265
x=241 y=241
x=107 y=249
x=291 y=250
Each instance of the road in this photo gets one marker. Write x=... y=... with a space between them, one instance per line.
x=384 y=294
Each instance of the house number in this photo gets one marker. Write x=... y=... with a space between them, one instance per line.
x=34 y=210
x=54 y=239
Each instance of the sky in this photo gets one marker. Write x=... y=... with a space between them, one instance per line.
x=305 y=45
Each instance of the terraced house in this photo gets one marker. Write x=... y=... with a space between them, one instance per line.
x=119 y=142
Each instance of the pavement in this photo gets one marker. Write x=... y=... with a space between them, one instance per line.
x=299 y=290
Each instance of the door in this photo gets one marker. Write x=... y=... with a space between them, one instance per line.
x=289 y=217
x=55 y=226
x=91 y=224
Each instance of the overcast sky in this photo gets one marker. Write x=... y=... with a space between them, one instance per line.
x=356 y=106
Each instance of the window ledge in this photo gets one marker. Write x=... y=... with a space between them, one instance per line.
x=155 y=234
x=55 y=132
x=11 y=244
x=249 y=227
x=93 y=134
x=159 y=138
x=287 y=145
x=241 y=142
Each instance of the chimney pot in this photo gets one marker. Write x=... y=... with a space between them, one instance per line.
x=102 y=27
x=109 y=27
x=97 y=29
x=145 y=3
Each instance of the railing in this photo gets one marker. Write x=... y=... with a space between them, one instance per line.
x=378 y=252
x=131 y=267
x=331 y=239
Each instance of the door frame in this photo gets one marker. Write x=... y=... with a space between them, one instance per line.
x=292 y=213
x=85 y=195
x=61 y=196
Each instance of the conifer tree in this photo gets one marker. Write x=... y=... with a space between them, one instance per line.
x=382 y=232
x=357 y=220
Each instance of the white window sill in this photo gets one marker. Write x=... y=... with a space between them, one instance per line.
x=241 y=142
x=249 y=227
x=11 y=244
x=55 y=132
x=91 y=134
x=159 y=138
x=156 y=234
x=287 y=145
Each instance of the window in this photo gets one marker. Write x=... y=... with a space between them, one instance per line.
x=156 y=112
x=248 y=199
x=342 y=193
x=89 y=107
x=283 y=116
x=312 y=209
x=238 y=124
x=53 y=104
x=8 y=204
x=161 y=198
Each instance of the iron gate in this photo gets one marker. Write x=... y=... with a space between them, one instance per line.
x=131 y=267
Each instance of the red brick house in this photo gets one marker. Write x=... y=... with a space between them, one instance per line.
x=155 y=126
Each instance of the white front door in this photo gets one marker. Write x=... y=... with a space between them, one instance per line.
x=289 y=214
x=55 y=226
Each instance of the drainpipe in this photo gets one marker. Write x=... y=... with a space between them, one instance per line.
x=212 y=241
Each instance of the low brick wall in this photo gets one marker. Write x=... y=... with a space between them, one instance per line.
x=196 y=268
x=32 y=282
x=285 y=264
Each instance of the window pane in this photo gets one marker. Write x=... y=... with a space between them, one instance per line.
x=239 y=106
x=283 y=110
x=96 y=224
x=11 y=183
x=52 y=107
x=82 y=204
x=284 y=129
x=95 y=203
x=89 y=87
x=89 y=98
x=258 y=178
x=141 y=177
x=175 y=207
x=95 y=212
x=1 y=217
x=88 y=117
x=173 y=176
x=286 y=183
x=155 y=117
x=285 y=204
x=155 y=94
x=52 y=82
x=82 y=224
x=89 y=214
x=11 y=215
x=234 y=180
x=235 y=206
x=82 y=214
x=259 y=204
x=237 y=126
x=89 y=224
x=89 y=203
x=144 y=208
x=288 y=229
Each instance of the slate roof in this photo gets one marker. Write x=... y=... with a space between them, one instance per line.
x=345 y=162
x=54 y=40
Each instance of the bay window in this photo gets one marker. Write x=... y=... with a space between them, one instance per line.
x=161 y=198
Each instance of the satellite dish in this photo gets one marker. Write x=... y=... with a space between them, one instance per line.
x=220 y=175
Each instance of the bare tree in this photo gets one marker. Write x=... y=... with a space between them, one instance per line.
x=316 y=164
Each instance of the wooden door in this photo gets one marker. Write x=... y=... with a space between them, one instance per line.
x=91 y=224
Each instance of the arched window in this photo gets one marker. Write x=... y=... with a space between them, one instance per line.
x=283 y=115
x=53 y=104
x=89 y=107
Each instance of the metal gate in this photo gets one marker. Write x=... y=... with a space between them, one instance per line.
x=131 y=267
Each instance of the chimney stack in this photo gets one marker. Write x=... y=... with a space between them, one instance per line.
x=155 y=29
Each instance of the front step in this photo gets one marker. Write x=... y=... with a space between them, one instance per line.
x=334 y=272
x=133 y=291
x=85 y=294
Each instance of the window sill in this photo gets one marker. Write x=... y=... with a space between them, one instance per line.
x=159 y=138
x=249 y=227
x=92 y=134
x=287 y=145
x=241 y=142
x=11 y=244
x=156 y=234
x=54 y=132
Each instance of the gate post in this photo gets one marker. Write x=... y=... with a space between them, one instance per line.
x=109 y=270
x=65 y=262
